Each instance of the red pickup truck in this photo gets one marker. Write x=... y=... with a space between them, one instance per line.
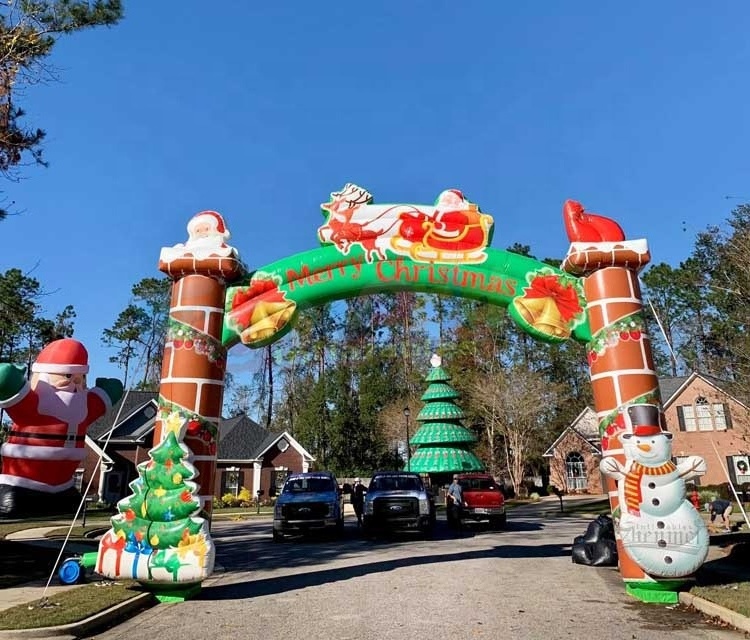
x=483 y=499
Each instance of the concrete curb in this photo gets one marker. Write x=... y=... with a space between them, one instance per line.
x=737 y=620
x=85 y=627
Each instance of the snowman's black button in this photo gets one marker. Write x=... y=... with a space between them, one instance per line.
x=655 y=502
x=652 y=485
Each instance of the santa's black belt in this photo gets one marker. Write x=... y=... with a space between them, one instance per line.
x=46 y=436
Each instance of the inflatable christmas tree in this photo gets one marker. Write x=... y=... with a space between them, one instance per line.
x=443 y=443
x=156 y=536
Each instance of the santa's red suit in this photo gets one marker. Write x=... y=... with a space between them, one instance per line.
x=46 y=440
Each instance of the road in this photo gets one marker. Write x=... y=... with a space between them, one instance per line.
x=515 y=584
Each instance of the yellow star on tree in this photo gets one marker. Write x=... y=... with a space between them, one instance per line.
x=174 y=424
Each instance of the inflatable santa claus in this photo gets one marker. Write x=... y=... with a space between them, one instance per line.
x=51 y=412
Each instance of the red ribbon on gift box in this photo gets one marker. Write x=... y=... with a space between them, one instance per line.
x=111 y=541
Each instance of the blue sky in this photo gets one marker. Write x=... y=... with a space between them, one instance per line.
x=259 y=110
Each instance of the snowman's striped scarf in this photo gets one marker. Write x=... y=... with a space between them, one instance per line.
x=633 y=496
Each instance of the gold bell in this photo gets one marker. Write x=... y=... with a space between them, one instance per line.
x=267 y=319
x=542 y=314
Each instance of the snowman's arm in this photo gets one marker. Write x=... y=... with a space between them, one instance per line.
x=611 y=467
x=691 y=467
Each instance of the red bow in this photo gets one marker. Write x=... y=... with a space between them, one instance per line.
x=564 y=296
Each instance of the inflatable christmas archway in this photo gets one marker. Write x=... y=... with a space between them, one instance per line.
x=161 y=535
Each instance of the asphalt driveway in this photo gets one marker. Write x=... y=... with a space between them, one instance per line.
x=517 y=583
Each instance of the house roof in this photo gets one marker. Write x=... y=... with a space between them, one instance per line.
x=241 y=438
x=585 y=426
x=274 y=438
x=669 y=386
x=685 y=381
x=129 y=404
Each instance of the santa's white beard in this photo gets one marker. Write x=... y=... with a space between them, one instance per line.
x=214 y=240
x=67 y=406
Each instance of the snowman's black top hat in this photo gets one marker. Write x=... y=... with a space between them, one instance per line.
x=645 y=419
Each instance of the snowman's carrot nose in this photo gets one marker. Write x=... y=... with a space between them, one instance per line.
x=644 y=447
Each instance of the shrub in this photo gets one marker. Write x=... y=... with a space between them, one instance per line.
x=707 y=495
x=717 y=490
x=230 y=500
x=245 y=496
x=534 y=497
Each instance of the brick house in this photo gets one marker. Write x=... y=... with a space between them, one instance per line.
x=704 y=420
x=248 y=455
x=575 y=455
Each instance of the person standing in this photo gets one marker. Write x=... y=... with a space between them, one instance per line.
x=455 y=498
x=358 y=499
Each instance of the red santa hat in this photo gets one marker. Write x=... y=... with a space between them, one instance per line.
x=62 y=356
x=449 y=197
x=212 y=218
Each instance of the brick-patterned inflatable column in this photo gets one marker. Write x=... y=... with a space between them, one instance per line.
x=193 y=368
x=620 y=358
x=661 y=538
x=161 y=534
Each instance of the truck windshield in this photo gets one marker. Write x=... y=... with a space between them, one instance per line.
x=308 y=485
x=393 y=483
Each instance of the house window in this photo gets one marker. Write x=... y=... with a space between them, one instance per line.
x=575 y=471
x=232 y=480
x=703 y=415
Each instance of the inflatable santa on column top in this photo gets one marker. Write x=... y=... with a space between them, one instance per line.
x=51 y=413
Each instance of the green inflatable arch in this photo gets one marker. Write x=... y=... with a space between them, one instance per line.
x=440 y=249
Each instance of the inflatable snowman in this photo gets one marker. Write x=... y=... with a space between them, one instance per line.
x=658 y=527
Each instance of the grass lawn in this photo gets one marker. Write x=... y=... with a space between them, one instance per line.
x=726 y=581
x=69 y=606
x=734 y=596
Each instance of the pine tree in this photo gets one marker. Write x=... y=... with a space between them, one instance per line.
x=443 y=443
x=29 y=31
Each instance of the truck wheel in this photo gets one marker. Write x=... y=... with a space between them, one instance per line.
x=277 y=536
x=340 y=527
